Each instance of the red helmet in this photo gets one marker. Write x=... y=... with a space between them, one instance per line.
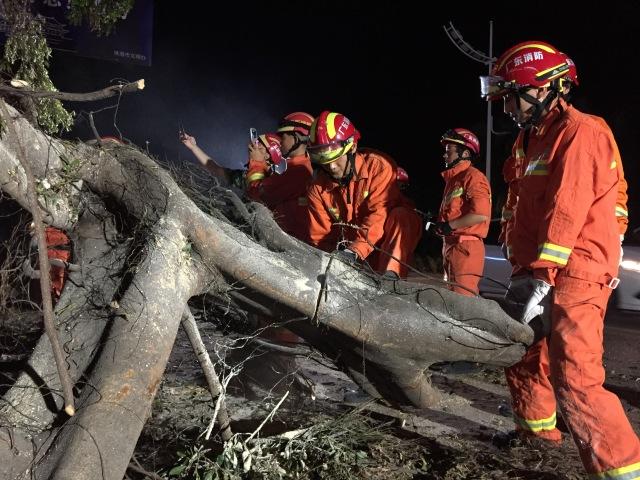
x=332 y=135
x=271 y=141
x=464 y=137
x=402 y=176
x=573 y=72
x=296 y=122
x=528 y=64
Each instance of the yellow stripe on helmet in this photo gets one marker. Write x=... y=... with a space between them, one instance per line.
x=544 y=72
x=331 y=126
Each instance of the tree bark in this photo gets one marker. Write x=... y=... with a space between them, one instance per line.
x=99 y=440
x=33 y=402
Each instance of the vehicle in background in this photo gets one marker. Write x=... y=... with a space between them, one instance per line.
x=625 y=298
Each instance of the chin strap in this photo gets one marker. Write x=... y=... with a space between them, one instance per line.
x=448 y=166
x=538 y=106
x=344 y=181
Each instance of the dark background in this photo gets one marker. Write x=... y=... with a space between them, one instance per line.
x=222 y=68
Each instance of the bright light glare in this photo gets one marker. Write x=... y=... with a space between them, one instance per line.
x=630 y=265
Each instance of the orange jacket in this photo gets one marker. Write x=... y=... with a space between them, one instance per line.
x=565 y=216
x=512 y=172
x=622 y=213
x=284 y=195
x=364 y=202
x=509 y=176
x=466 y=191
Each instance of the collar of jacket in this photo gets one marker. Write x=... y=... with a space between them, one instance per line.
x=328 y=183
x=550 y=118
x=298 y=160
x=449 y=173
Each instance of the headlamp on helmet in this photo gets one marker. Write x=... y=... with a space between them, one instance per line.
x=493 y=87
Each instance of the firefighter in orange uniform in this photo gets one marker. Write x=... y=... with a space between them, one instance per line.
x=513 y=170
x=356 y=208
x=465 y=212
x=565 y=242
x=278 y=182
x=282 y=184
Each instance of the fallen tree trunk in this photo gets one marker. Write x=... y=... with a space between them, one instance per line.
x=117 y=399
x=34 y=401
x=385 y=334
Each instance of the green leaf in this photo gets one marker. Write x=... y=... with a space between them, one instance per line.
x=175 y=471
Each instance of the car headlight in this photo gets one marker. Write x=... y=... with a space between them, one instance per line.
x=630 y=265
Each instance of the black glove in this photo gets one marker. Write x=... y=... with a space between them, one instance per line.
x=346 y=256
x=441 y=228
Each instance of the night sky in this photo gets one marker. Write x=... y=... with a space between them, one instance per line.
x=223 y=68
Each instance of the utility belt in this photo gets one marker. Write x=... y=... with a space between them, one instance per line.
x=605 y=280
x=454 y=239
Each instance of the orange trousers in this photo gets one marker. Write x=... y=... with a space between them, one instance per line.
x=463 y=264
x=567 y=366
x=402 y=232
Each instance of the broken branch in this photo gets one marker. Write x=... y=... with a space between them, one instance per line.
x=76 y=97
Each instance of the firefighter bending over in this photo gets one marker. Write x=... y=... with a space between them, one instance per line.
x=355 y=205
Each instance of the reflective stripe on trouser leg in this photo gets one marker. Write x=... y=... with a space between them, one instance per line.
x=630 y=472
x=532 y=397
x=464 y=263
x=608 y=446
x=402 y=231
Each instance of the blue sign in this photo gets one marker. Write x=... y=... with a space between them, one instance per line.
x=130 y=41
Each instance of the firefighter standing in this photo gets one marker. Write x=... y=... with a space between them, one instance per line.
x=465 y=212
x=356 y=208
x=565 y=241
x=513 y=170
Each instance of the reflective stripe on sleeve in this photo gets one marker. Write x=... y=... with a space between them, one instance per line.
x=254 y=177
x=454 y=194
x=554 y=253
x=621 y=212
